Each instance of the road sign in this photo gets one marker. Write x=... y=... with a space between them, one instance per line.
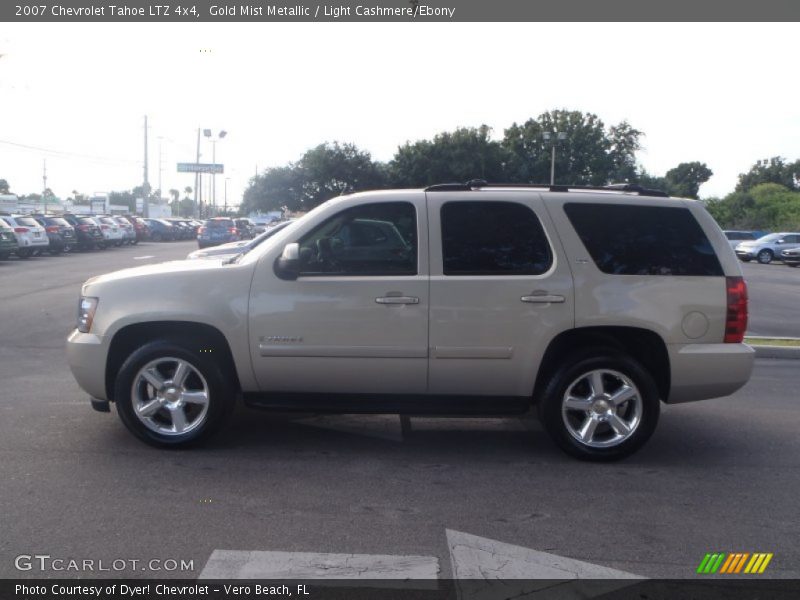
x=200 y=168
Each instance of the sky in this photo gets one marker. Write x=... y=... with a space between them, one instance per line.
x=76 y=95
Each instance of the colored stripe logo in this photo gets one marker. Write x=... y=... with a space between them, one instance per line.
x=734 y=563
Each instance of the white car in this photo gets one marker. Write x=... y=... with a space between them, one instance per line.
x=31 y=236
x=111 y=230
x=129 y=233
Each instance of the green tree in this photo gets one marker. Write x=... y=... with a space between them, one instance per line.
x=323 y=172
x=773 y=170
x=590 y=155
x=466 y=153
x=4 y=187
x=685 y=179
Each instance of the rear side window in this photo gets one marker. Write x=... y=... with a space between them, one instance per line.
x=27 y=222
x=493 y=238
x=643 y=240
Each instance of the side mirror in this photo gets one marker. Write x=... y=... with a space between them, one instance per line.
x=287 y=267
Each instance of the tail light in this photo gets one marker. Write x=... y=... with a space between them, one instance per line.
x=21 y=229
x=83 y=227
x=201 y=230
x=232 y=230
x=52 y=229
x=736 y=320
x=103 y=226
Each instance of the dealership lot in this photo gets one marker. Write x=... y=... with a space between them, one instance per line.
x=721 y=475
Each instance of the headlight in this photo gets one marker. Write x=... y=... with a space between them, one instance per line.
x=86 y=308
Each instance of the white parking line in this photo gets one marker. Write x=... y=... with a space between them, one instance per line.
x=244 y=564
x=143 y=257
x=475 y=557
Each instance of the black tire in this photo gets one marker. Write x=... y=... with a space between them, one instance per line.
x=765 y=257
x=221 y=392
x=55 y=251
x=24 y=253
x=744 y=259
x=4 y=255
x=555 y=389
x=156 y=237
x=791 y=264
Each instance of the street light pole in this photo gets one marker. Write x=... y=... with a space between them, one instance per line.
x=222 y=134
x=553 y=138
x=226 y=195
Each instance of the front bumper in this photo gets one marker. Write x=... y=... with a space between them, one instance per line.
x=745 y=253
x=703 y=371
x=86 y=356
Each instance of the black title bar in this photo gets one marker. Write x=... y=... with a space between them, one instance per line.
x=169 y=11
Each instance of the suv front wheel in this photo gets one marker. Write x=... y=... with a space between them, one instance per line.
x=168 y=394
x=600 y=405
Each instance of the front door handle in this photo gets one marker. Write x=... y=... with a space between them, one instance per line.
x=397 y=300
x=543 y=298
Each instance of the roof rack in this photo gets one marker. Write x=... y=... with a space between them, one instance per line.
x=631 y=188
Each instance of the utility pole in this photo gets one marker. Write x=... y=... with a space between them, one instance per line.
x=198 y=200
x=145 y=184
x=160 y=168
x=226 y=196
x=44 y=181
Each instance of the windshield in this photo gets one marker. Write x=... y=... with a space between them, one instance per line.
x=771 y=237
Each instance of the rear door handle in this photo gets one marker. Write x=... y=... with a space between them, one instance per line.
x=543 y=298
x=397 y=300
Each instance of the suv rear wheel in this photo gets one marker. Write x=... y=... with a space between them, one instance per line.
x=168 y=394
x=600 y=405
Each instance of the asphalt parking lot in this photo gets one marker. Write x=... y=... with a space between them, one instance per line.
x=720 y=475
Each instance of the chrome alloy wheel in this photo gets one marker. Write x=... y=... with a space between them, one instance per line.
x=170 y=396
x=601 y=408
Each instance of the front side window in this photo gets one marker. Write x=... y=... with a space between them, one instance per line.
x=373 y=239
x=643 y=240
x=493 y=238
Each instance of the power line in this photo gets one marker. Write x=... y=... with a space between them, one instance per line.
x=70 y=154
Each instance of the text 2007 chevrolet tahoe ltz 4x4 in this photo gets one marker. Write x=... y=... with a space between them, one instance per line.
x=590 y=305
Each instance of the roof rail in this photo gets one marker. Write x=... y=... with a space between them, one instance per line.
x=473 y=184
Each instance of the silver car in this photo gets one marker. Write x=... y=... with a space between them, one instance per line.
x=768 y=248
x=31 y=236
x=226 y=251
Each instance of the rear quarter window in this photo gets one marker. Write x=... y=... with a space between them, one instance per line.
x=644 y=240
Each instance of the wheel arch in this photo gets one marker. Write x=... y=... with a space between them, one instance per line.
x=205 y=337
x=643 y=345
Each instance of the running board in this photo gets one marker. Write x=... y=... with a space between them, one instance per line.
x=439 y=405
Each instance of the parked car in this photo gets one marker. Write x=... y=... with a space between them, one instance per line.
x=216 y=231
x=31 y=237
x=112 y=231
x=87 y=232
x=791 y=258
x=60 y=233
x=140 y=228
x=247 y=230
x=226 y=251
x=186 y=230
x=766 y=249
x=161 y=230
x=736 y=237
x=591 y=307
x=128 y=232
x=8 y=241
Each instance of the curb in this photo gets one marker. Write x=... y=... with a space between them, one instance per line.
x=783 y=352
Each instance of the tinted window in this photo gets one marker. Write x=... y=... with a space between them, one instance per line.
x=57 y=221
x=643 y=240
x=374 y=239
x=86 y=221
x=219 y=224
x=493 y=238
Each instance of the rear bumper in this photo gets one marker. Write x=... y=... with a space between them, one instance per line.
x=703 y=371
x=86 y=356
